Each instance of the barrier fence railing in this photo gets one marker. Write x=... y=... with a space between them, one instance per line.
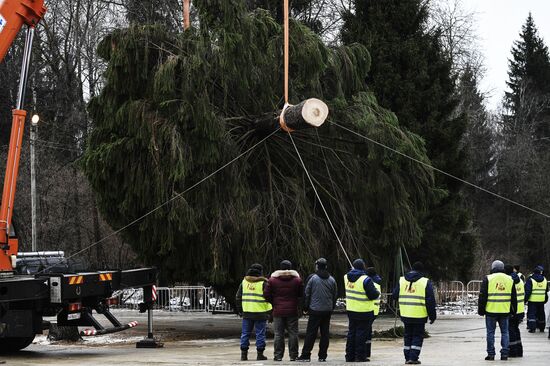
x=451 y=297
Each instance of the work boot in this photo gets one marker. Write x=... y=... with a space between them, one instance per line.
x=504 y=358
x=303 y=359
x=261 y=356
x=490 y=358
x=244 y=355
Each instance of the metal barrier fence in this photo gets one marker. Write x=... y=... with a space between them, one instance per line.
x=451 y=297
x=179 y=298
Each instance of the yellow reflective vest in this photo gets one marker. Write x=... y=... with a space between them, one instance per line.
x=520 y=290
x=538 y=292
x=377 y=301
x=412 y=298
x=356 y=298
x=253 y=297
x=499 y=293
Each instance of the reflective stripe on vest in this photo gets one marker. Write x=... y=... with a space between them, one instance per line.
x=412 y=298
x=520 y=289
x=538 y=292
x=377 y=301
x=499 y=293
x=253 y=297
x=356 y=298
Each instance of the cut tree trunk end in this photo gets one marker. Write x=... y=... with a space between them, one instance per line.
x=310 y=113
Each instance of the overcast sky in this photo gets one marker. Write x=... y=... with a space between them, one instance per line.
x=499 y=23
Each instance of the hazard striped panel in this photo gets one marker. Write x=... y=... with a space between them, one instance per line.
x=133 y=324
x=154 y=295
x=105 y=277
x=76 y=280
x=89 y=332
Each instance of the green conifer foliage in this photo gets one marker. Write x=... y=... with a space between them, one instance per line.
x=411 y=76
x=175 y=107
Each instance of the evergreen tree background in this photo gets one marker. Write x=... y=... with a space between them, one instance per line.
x=523 y=162
x=411 y=77
x=177 y=106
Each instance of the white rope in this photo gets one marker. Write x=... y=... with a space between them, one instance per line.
x=319 y=199
x=443 y=172
x=179 y=195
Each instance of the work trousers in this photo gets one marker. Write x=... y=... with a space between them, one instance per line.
x=535 y=316
x=317 y=321
x=248 y=326
x=368 y=342
x=290 y=324
x=516 y=347
x=358 y=329
x=413 y=338
x=491 y=324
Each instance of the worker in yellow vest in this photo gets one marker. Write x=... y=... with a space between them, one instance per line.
x=254 y=309
x=497 y=301
x=516 y=347
x=415 y=295
x=360 y=296
x=371 y=272
x=536 y=293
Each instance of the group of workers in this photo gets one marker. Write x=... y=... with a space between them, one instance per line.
x=502 y=299
x=283 y=298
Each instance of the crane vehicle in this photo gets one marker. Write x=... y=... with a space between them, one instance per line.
x=44 y=284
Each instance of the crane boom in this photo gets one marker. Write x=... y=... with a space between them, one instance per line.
x=13 y=15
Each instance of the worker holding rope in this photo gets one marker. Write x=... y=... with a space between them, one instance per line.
x=360 y=304
x=415 y=295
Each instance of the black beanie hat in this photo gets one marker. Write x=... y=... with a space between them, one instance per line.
x=255 y=270
x=418 y=266
x=321 y=263
x=286 y=265
x=359 y=264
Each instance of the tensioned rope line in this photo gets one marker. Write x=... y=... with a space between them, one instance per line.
x=179 y=195
x=319 y=198
x=443 y=172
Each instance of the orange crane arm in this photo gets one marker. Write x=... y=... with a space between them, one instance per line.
x=13 y=15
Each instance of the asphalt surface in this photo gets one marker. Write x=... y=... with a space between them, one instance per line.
x=203 y=339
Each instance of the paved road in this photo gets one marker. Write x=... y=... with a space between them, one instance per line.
x=213 y=340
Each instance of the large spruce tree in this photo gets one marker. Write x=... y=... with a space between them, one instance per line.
x=177 y=106
x=411 y=77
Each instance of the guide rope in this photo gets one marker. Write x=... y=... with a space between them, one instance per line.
x=319 y=199
x=442 y=171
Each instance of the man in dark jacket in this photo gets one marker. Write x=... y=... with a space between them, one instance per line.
x=254 y=309
x=497 y=301
x=320 y=299
x=371 y=272
x=536 y=294
x=360 y=297
x=415 y=295
x=284 y=291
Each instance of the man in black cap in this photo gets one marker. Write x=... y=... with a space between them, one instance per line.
x=320 y=299
x=416 y=304
x=360 y=304
x=284 y=291
x=536 y=294
x=254 y=309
